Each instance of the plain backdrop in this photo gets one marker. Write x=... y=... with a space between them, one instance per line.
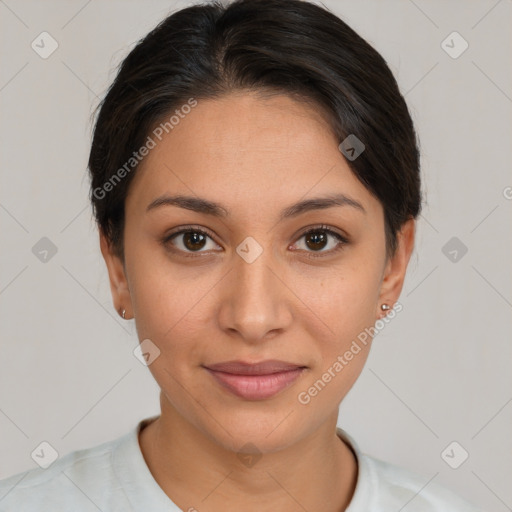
x=438 y=373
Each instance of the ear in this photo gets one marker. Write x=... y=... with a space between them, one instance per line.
x=394 y=273
x=117 y=277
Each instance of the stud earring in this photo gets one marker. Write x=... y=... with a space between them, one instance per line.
x=123 y=314
x=385 y=307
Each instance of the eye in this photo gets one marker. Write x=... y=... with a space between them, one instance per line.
x=190 y=240
x=321 y=240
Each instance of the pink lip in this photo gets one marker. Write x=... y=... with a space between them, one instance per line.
x=255 y=381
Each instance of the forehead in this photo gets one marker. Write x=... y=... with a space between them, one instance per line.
x=246 y=150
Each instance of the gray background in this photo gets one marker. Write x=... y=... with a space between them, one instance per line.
x=440 y=372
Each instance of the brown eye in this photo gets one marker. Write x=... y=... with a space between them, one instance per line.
x=193 y=240
x=316 y=240
x=320 y=240
x=190 y=241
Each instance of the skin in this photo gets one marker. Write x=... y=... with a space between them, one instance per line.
x=255 y=155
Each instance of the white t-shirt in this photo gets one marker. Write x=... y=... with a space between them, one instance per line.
x=114 y=477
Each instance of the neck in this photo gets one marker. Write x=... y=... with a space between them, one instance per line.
x=199 y=474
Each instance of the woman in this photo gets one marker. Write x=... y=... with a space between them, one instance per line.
x=255 y=179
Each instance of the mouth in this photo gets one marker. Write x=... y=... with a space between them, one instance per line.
x=255 y=381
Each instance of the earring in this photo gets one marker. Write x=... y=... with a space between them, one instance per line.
x=123 y=314
x=385 y=307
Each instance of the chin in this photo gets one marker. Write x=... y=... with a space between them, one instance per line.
x=259 y=430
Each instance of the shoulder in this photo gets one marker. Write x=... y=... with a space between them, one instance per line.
x=76 y=481
x=385 y=487
x=395 y=487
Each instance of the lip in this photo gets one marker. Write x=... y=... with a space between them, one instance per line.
x=255 y=381
x=266 y=367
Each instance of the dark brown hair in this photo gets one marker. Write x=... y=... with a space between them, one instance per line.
x=286 y=46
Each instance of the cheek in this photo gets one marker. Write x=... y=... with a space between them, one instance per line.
x=346 y=307
x=345 y=303
x=169 y=311
x=172 y=307
x=159 y=292
x=344 y=300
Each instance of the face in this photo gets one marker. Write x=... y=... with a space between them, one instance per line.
x=254 y=278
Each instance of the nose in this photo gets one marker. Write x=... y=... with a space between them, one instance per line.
x=256 y=304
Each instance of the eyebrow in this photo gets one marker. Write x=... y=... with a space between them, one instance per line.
x=207 y=207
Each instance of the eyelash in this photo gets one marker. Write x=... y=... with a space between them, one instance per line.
x=342 y=241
